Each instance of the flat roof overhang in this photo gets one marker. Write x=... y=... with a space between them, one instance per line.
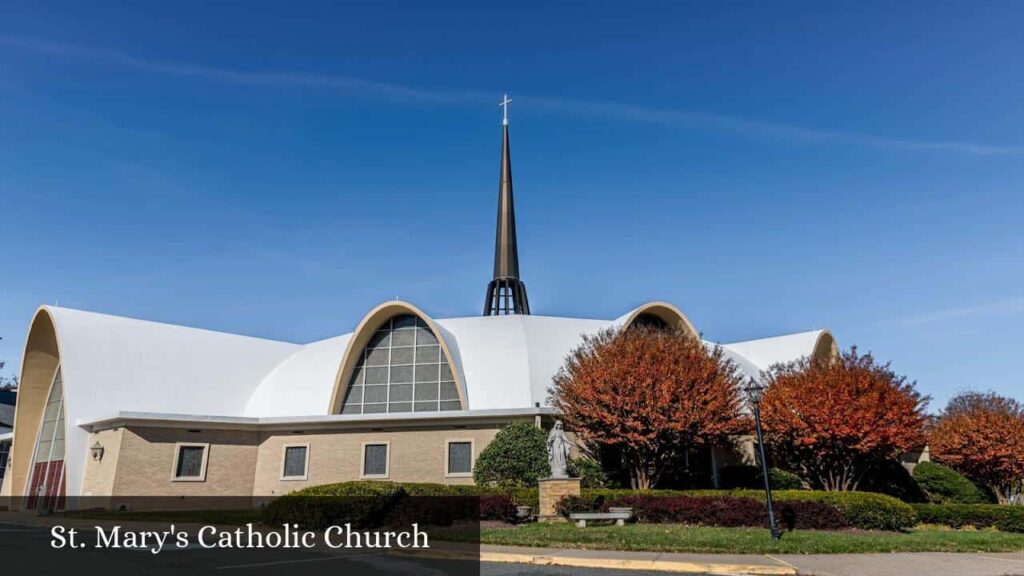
x=326 y=422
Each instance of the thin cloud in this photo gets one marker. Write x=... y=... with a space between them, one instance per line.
x=762 y=128
x=396 y=92
x=409 y=94
x=999 y=309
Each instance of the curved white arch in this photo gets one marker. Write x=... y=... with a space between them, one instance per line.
x=40 y=360
x=361 y=337
x=825 y=347
x=667 y=312
x=112 y=364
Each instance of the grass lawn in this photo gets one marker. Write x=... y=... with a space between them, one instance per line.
x=677 y=538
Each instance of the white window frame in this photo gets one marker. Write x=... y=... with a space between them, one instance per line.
x=284 y=456
x=472 y=457
x=387 y=461
x=202 y=467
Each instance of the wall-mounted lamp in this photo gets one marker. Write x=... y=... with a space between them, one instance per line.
x=97 y=451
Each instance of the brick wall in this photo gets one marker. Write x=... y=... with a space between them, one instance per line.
x=414 y=455
x=146 y=460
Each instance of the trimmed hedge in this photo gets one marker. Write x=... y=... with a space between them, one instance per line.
x=1004 y=518
x=318 y=511
x=371 y=503
x=943 y=485
x=863 y=510
x=520 y=496
x=362 y=488
x=729 y=511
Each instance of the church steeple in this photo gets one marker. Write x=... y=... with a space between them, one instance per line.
x=506 y=293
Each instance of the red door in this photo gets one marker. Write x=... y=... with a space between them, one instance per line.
x=46 y=491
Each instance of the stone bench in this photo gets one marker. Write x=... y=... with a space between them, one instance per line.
x=581 y=517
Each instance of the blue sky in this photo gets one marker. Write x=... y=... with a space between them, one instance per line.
x=279 y=168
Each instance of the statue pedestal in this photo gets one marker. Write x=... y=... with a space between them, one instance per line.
x=550 y=491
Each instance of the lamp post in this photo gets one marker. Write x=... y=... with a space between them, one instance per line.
x=755 y=390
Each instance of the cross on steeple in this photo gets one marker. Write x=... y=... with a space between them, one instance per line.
x=506 y=293
x=504 y=104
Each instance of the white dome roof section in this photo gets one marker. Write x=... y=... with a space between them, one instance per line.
x=492 y=355
x=509 y=361
x=766 y=352
x=747 y=368
x=112 y=364
x=550 y=341
x=301 y=385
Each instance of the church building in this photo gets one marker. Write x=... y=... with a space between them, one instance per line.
x=113 y=407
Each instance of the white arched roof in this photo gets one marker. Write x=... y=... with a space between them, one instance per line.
x=112 y=364
x=508 y=361
x=295 y=387
x=133 y=365
x=130 y=365
x=115 y=364
x=767 y=352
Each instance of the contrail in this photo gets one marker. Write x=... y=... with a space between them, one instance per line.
x=999 y=309
x=401 y=93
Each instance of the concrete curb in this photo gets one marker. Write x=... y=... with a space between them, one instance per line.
x=607 y=563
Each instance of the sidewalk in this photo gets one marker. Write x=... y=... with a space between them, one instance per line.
x=896 y=564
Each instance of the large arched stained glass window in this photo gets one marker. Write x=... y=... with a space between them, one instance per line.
x=402 y=369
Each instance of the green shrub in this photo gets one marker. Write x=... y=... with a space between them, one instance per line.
x=516 y=457
x=1004 y=518
x=430 y=489
x=943 y=485
x=371 y=503
x=747 y=476
x=603 y=494
x=522 y=496
x=318 y=507
x=374 y=488
x=359 y=488
x=783 y=480
x=866 y=510
x=589 y=472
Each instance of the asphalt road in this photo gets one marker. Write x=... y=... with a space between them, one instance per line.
x=27 y=550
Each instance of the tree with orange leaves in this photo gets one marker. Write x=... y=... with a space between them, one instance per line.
x=832 y=421
x=981 y=435
x=650 y=392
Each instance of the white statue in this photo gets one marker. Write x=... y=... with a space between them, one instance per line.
x=558 y=452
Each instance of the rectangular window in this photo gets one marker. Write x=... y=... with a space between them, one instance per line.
x=459 y=460
x=295 y=462
x=375 y=460
x=190 y=462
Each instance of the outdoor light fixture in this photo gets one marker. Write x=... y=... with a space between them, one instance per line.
x=97 y=451
x=755 y=391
